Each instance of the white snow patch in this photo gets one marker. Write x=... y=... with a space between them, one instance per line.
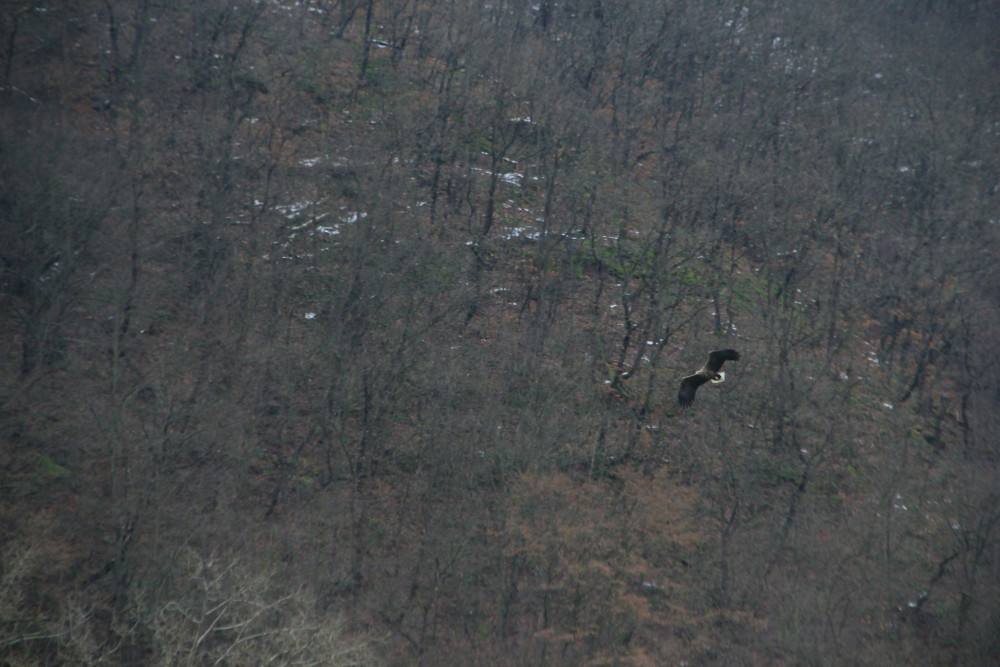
x=292 y=211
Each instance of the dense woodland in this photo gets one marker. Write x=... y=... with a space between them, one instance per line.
x=347 y=332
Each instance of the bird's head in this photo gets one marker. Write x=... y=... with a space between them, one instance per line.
x=719 y=377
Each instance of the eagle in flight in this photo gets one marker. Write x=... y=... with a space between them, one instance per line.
x=710 y=372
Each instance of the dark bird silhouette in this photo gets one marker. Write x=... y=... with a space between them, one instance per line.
x=710 y=372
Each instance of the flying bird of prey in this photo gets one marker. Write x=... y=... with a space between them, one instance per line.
x=710 y=372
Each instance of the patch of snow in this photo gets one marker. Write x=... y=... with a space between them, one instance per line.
x=530 y=233
x=292 y=211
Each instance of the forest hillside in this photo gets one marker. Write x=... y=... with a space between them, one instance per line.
x=349 y=332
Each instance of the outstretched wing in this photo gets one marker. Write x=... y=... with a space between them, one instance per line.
x=719 y=357
x=689 y=386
